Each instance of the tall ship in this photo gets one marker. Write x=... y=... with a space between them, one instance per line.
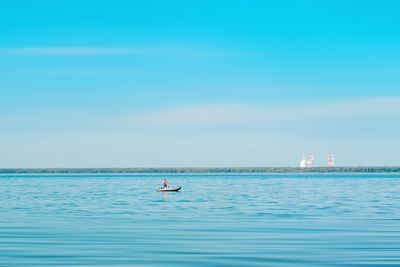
x=307 y=162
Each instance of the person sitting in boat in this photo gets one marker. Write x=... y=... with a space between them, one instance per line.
x=165 y=183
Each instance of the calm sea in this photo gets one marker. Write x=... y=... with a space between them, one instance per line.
x=216 y=220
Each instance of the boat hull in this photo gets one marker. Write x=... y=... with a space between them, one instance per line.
x=170 y=189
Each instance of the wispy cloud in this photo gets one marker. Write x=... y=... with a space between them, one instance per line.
x=231 y=114
x=369 y=110
x=166 y=50
x=201 y=135
x=71 y=51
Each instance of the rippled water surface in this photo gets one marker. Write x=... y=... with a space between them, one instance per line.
x=216 y=220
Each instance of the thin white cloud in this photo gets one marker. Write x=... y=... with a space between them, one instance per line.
x=53 y=138
x=71 y=51
x=380 y=109
x=231 y=114
x=185 y=50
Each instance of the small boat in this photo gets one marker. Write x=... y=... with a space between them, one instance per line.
x=169 y=189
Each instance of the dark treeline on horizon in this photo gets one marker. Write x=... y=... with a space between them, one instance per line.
x=203 y=170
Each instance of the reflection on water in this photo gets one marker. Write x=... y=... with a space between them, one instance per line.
x=216 y=220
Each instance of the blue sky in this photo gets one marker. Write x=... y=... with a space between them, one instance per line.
x=198 y=83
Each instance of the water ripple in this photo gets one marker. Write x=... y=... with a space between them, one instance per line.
x=217 y=220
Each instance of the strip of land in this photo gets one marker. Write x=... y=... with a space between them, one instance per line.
x=204 y=170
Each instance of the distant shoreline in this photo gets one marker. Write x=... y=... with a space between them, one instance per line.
x=367 y=169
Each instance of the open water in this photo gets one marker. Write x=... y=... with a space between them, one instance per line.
x=216 y=220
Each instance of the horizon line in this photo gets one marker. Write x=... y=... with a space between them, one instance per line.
x=215 y=170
